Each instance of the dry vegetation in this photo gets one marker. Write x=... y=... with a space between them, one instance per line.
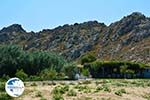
x=101 y=89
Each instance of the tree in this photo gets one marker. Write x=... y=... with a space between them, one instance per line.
x=36 y=61
x=96 y=69
x=70 y=69
x=9 y=57
x=48 y=74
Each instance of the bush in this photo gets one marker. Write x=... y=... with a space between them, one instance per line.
x=123 y=91
x=9 y=57
x=2 y=87
x=106 y=88
x=58 y=92
x=99 y=88
x=40 y=60
x=21 y=74
x=5 y=78
x=42 y=98
x=38 y=94
x=70 y=69
x=96 y=68
x=88 y=90
x=120 y=92
x=60 y=89
x=85 y=72
x=58 y=97
x=103 y=87
x=71 y=93
x=66 y=87
x=34 y=78
x=106 y=81
x=4 y=96
x=14 y=60
x=87 y=58
x=85 y=88
x=146 y=96
x=48 y=74
x=113 y=69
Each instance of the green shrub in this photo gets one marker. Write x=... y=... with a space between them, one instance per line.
x=146 y=96
x=34 y=78
x=98 y=88
x=14 y=58
x=60 y=89
x=48 y=74
x=9 y=57
x=70 y=69
x=4 y=96
x=21 y=74
x=106 y=81
x=85 y=72
x=103 y=87
x=123 y=91
x=88 y=90
x=58 y=92
x=110 y=69
x=5 y=78
x=42 y=98
x=2 y=87
x=120 y=92
x=106 y=88
x=87 y=58
x=138 y=83
x=96 y=68
x=85 y=88
x=38 y=94
x=71 y=93
x=66 y=87
x=148 y=83
x=57 y=97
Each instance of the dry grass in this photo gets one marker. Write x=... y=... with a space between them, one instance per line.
x=105 y=89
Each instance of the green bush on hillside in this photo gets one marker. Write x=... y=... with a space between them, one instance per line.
x=87 y=58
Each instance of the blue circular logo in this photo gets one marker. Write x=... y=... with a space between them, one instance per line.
x=14 y=87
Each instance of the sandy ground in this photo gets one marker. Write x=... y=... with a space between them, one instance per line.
x=134 y=91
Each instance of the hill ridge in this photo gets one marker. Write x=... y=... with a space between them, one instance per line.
x=127 y=39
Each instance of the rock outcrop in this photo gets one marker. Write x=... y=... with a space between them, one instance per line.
x=127 y=39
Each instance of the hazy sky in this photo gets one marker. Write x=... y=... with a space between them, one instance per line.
x=35 y=15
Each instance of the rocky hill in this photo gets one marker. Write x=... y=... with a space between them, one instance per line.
x=127 y=39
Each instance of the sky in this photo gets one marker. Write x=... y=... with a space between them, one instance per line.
x=35 y=15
